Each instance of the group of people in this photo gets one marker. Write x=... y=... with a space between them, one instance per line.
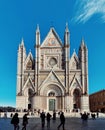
x=85 y=115
x=48 y=118
x=15 y=121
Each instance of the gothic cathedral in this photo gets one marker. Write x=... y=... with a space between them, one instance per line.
x=53 y=80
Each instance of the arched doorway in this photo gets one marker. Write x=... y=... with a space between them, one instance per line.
x=76 y=99
x=30 y=95
x=53 y=95
x=52 y=101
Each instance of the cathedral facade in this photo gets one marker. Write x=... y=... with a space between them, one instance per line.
x=53 y=80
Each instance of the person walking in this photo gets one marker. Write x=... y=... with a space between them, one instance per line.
x=25 y=122
x=62 y=120
x=42 y=116
x=97 y=114
x=48 y=119
x=15 y=121
x=54 y=115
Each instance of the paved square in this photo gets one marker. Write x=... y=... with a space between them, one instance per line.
x=72 y=123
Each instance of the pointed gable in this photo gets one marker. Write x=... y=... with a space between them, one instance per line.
x=52 y=39
x=29 y=61
x=74 y=61
x=29 y=84
x=75 y=83
x=52 y=78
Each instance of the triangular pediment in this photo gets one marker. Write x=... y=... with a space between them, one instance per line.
x=75 y=83
x=28 y=83
x=52 y=39
x=29 y=60
x=74 y=61
x=52 y=78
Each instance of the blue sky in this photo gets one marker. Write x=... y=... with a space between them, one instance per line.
x=18 y=19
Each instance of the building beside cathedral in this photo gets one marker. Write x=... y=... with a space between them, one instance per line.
x=97 y=101
x=53 y=80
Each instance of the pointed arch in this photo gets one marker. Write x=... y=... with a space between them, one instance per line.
x=52 y=77
x=74 y=62
x=75 y=84
x=76 y=98
x=26 y=86
x=48 y=87
x=29 y=61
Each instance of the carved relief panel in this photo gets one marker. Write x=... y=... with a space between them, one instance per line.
x=51 y=58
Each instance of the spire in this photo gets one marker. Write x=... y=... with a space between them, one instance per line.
x=22 y=42
x=82 y=42
x=83 y=45
x=37 y=29
x=67 y=35
x=37 y=35
x=22 y=47
x=67 y=29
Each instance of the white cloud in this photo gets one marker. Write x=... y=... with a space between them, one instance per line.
x=85 y=9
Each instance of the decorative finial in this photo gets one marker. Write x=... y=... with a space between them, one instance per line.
x=37 y=29
x=82 y=42
x=67 y=24
x=67 y=29
x=22 y=41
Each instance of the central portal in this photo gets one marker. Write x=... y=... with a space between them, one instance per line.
x=51 y=104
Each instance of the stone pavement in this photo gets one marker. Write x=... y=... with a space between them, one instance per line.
x=72 y=123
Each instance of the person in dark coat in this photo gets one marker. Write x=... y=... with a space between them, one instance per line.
x=84 y=116
x=62 y=120
x=25 y=122
x=15 y=121
x=97 y=114
x=42 y=116
x=48 y=119
x=54 y=115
